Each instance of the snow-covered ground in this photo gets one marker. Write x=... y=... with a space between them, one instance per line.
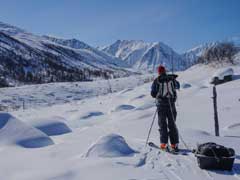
x=103 y=137
x=32 y=96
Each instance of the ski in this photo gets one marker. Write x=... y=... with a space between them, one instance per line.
x=181 y=151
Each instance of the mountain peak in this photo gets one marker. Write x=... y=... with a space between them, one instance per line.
x=10 y=29
x=193 y=54
x=73 y=43
x=143 y=55
x=130 y=41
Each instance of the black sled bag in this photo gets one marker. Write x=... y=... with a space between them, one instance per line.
x=214 y=156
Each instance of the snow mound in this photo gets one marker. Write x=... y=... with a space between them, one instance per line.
x=52 y=126
x=232 y=130
x=92 y=114
x=124 y=107
x=14 y=131
x=139 y=97
x=220 y=74
x=186 y=85
x=112 y=145
x=146 y=106
x=234 y=126
x=126 y=90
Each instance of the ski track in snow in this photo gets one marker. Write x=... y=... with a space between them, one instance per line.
x=176 y=166
x=181 y=167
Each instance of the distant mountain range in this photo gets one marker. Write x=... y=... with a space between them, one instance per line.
x=192 y=55
x=26 y=58
x=82 y=47
x=140 y=55
x=146 y=56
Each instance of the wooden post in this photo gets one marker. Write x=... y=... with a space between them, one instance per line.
x=23 y=104
x=215 y=111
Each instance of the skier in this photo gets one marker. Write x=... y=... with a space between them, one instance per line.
x=164 y=90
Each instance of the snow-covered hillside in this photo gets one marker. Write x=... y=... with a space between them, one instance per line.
x=109 y=132
x=73 y=43
x=192 y=55
x=83 y=47
x=28 y=58
x=145 y=56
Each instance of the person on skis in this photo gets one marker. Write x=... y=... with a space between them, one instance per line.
x=164 y=90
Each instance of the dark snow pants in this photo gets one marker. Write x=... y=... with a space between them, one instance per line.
x=166 y=120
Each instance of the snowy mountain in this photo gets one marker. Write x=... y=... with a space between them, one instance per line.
x=145 y=56
x=83 y=47
x=73 y=43
x=192 y=55
x=12 y=30
x=28 y=58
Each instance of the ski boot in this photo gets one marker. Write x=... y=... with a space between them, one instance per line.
x=164 y=147
x=174 y=148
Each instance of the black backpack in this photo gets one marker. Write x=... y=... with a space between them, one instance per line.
x=214 y=150
x=214 y=156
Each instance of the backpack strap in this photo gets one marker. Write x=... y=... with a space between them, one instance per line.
x=172 y=88
x=161 y=89
x=166 y=88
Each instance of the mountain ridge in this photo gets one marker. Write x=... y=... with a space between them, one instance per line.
x=145 y=56
x=29 y=58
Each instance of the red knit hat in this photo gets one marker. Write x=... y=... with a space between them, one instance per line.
x=161 y=69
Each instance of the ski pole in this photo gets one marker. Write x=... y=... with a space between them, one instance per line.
x=149 y=132
x=180 y=136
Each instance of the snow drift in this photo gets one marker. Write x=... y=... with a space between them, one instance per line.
x=52 y=126
x=221 y=73
x=14 y=131
x=124 y=107
x=92 y=114
x=112 y=145
x=186 y=85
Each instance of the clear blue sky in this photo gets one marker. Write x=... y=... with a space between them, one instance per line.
x=182 y=24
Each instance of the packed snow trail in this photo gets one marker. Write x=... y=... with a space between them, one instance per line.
x=182 y=167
